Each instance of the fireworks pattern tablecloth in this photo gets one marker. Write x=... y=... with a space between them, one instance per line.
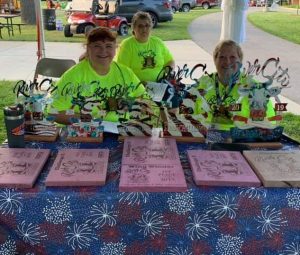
x=101 y=220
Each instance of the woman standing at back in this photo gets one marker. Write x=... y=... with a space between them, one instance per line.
x=145 y=54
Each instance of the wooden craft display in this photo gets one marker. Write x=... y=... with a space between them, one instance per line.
x=221 y=168
x=41 y=131
x=21 y=167
x=79 y=167
x=151 y=165
x=276 y=168
x=182 y=127
x=80 y=139
x=42 y=138
x=85 y=132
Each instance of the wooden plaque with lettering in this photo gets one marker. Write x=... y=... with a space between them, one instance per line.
x=79 y=167
x=221 y=168
x=21 y=167
x=276 y=168
x=151 y=165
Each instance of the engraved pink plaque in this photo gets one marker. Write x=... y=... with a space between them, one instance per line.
x=21 y=167
x=151 y=165
x=221 y=168
x=79 y=167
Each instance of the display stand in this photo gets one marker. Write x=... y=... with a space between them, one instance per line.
x=264 y=145
x=79 y=139
x=186 y=139
x=42 y=138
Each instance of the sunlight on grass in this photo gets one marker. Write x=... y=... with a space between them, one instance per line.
x=283 y=25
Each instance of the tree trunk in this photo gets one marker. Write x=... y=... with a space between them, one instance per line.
x=28 y=12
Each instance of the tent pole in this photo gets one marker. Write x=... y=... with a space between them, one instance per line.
x=40 y=30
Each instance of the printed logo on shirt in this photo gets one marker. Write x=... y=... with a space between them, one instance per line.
x=148 y=59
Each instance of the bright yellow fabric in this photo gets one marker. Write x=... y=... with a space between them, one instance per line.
x=208 y=84
x=145 y=59
x=120 y=82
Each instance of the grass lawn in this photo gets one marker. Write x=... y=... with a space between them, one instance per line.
x=283 y=25
x=167 y=31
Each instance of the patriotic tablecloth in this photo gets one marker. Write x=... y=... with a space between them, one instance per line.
x=101 y=220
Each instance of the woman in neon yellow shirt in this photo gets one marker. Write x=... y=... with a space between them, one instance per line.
x=97 y=84
x=146 y=55
x=220 y=90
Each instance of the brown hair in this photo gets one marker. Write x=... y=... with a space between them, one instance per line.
x=101 y=34
x=229 y=43
x=140 y=16
x=98 y=34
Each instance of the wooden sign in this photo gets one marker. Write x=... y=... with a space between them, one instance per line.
x=151 y=165
x=221 y=168
x=21 y=167
x=79 y=167
x=276 y=168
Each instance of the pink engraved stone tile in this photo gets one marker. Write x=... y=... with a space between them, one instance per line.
x=151 y=165
x=20 y=167
x=221 y=168
x=79 y=167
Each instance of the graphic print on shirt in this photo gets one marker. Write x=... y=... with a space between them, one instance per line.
x=148 y=58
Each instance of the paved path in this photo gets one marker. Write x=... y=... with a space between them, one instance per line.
x=205 y=31
x=18 y=59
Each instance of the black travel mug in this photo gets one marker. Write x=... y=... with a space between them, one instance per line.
x=14 y=122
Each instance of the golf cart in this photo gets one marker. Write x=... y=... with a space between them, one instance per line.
x=84 y=15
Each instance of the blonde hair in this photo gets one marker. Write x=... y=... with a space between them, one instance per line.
x=228 y=43
x=140 y=16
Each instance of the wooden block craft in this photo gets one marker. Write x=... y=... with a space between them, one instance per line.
x=182 y=127
x=42 y=138
x=21 y=167
x=221 y=168
x=42 y=131
x=79 y=167
x=276 y=168
x=81 y=139
x=151 y=165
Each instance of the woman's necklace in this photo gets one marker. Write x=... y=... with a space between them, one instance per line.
x=221 y=108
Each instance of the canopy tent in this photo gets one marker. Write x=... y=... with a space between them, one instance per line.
x=234 y=20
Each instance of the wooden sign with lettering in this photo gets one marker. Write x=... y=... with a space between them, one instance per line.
x=79 y=167
x=276 y=168
x=21 y=167
x=221 y=168
x=151 y=165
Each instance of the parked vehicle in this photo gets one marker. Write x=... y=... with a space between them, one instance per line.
x=85 y=15
x=187 y=5
x=175 y=5
x=206 y=4
x=260 y=3
x=159 y=10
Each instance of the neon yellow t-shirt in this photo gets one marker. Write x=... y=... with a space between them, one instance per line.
x=82 y=88
x=208 y=106
x=145 y=59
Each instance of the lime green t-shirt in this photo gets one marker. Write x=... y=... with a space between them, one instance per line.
x=208 y=103
x=145 y=59
x=82 y=88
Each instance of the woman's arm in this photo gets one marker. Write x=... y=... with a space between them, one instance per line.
x=171 y=64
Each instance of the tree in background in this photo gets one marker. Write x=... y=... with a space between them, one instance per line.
x=28 y=12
